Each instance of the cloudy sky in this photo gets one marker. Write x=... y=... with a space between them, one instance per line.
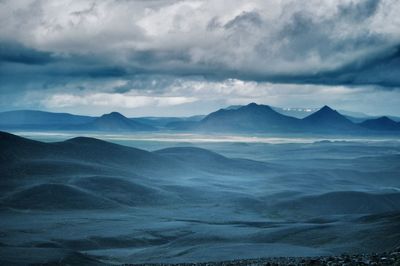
x=169 y=57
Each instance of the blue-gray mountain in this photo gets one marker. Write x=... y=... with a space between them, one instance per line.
x=30 y=119
x=251 y=118
x=254 y=118
x=383 y=123
x=113 y=122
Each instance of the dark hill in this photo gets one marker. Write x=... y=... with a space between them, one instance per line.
x=209 y=161
x=82 y=149
x=329 y=120
x=382 y=124
x=57 y=197
x=249 y=118
x=126 y=192
x=114 y=122
x=31 y=119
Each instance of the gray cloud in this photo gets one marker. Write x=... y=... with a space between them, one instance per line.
x=249 y=41
x=359 y=11
x=11 y=52
x=149 y=45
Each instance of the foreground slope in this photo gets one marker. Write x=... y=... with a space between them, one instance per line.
x=88 y=168
x=80 y=149
x=90 y=201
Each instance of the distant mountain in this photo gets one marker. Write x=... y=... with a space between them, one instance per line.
x=31 y=119
x=288 y=111
x=394 y=118
x=40 y=120
x=382 y=124
x=355 y=117
x=329 y=120
x=114 y=122
x=249 y=118
x=302 y=112
x=254 y=118
x=360 y=119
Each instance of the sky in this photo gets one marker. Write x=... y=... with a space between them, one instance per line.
x=182 y=58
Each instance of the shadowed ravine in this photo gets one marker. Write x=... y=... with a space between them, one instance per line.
x=87 y=201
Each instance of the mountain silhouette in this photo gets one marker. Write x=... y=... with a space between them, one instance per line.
x=249 y=118
x=383 y=124
x=328 y=120
x=31 y=119
x=115 y=121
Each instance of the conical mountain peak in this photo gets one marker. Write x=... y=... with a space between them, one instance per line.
x=326 y=109
x=113 y=115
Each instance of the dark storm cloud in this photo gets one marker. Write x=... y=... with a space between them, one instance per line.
x=247 y=19
x=18 y=61
x=68 y=46
x=15 y=59
x=359 y=11
x=383 y=71
x=13 y=52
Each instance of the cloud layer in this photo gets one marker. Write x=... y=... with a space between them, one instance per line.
x=73 y=47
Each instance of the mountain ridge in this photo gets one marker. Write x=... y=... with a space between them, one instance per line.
x=251 y=118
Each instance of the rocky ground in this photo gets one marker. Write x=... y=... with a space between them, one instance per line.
x=386 y=258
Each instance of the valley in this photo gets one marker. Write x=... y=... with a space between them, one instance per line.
x=84 y=200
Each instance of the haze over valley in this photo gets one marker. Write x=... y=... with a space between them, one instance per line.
x=196 y=201
x=199 y=132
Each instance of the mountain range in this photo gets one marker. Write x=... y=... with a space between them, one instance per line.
x=251 y=118
x=254 y=118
